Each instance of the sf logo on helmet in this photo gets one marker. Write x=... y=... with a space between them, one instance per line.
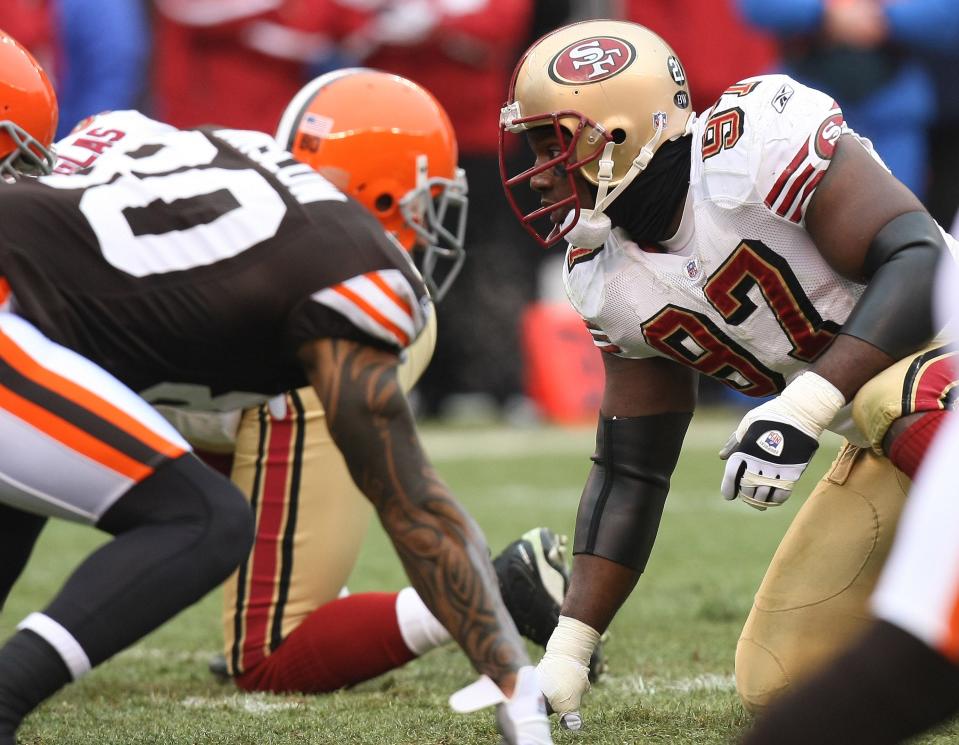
x=591 y=60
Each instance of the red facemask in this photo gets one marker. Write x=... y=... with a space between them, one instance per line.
x=565 y=160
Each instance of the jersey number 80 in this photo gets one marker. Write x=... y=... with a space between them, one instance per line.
x=163 y=207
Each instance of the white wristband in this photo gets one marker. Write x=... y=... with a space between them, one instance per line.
x=573 y=639
x=812 y=401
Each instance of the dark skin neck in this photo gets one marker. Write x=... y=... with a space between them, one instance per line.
x=678 y=215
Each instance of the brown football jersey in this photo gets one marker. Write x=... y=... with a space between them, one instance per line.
x=192 y=264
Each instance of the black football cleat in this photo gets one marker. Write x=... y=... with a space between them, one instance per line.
x=533 y=579
x=597 y=663
x=218 y=669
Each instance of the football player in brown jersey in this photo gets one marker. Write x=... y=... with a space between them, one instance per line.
x=288 y=624
x=762 y=243
x=210 y=268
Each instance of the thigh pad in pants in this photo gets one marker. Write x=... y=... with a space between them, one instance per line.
x=814 y=597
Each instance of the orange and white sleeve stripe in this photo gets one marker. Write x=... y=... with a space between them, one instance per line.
x=382 y=304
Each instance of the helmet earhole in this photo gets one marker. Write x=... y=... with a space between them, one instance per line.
x=619 y=136
x=383 y=202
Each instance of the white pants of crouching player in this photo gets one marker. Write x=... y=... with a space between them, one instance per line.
x=80 y=445
x=76 y=439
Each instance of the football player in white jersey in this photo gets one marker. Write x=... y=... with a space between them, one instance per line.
x=902 y=676
x=212 y=268
x=764 y=244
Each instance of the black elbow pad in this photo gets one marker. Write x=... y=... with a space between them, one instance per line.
x=624 y=496
x=895 y=311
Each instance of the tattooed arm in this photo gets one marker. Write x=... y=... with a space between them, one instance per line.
x=440 y=545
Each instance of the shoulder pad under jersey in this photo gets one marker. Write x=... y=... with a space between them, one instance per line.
x=768 y=139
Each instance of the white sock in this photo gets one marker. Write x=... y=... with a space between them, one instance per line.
x=419 y=628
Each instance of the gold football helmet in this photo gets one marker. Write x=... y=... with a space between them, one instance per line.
x=389 y=144
x=614 y=92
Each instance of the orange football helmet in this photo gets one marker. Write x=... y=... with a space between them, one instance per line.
x=28 y=113
x=389 y=144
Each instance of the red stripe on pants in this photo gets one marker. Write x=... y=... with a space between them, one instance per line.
x=265 y=559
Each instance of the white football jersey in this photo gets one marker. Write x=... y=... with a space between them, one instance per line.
x=741 y=294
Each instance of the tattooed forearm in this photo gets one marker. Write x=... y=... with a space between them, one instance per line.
x=441 y=547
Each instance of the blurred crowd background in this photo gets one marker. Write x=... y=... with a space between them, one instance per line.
x=507 y=347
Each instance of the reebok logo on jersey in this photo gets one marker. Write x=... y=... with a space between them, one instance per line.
x=782 y=97
x=772 y=442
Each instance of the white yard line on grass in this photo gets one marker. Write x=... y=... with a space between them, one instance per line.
x=260 y=704
x=650 y=686
x=251 y=703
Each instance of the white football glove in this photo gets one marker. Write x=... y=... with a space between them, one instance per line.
x=563 y=672
x=774 y=442
x=521 y=718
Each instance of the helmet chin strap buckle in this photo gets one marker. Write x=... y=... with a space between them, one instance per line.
x=605 y=173
x=593 y=227
x=645 y=155
x=590 y=231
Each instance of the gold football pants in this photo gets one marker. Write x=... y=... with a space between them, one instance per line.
x=310 y=518
x=814 y=597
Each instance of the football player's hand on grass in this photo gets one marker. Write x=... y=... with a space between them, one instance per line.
x=774 y=442
x=521 y=718
x=563 y=673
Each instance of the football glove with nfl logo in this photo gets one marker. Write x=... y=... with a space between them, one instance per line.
x=774 y=442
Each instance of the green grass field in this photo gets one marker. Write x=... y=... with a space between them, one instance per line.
x=670 y=653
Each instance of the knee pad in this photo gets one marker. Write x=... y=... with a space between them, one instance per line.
x=814 y=597
x=178 y=534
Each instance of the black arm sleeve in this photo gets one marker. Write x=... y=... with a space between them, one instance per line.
x=895 y=312
x=624 y=496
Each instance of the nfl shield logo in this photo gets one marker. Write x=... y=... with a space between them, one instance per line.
x=772 y=442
